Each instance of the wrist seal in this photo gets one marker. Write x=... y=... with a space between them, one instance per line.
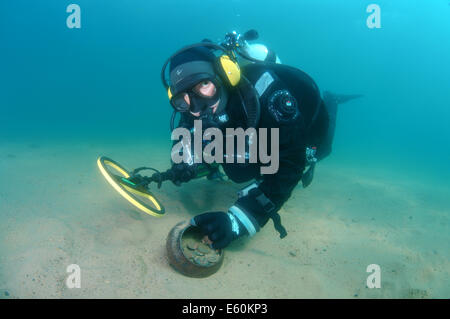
x=249 y=223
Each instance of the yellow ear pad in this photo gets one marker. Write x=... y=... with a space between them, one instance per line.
x=169 y=93
x=231 y=70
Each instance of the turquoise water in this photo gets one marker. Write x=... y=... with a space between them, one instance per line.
x=96 y=90
x=86 y=82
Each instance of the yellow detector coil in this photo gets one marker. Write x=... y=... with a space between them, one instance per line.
x=126 y=188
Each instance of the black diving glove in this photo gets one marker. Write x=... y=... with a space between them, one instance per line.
x=183 y=173
x=221 y=228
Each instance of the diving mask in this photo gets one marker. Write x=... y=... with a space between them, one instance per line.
x=199 y=98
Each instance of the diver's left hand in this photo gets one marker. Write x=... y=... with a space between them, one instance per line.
x=217 y=226
x=182 y=173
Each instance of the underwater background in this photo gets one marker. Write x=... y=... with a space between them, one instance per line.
x=68 y=96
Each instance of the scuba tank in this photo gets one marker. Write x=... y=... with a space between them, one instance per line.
x=248 y=52
x=260 y=52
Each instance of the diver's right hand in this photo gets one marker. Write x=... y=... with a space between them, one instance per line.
x=183 y=173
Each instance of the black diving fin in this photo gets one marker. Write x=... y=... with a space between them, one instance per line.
x=308 y=175
x=342 y=98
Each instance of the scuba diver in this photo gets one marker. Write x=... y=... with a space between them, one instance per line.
x=237 y=85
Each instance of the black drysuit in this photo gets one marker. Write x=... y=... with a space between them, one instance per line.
x=309 y=128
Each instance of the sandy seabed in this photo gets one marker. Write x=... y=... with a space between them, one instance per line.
x=56 y=209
